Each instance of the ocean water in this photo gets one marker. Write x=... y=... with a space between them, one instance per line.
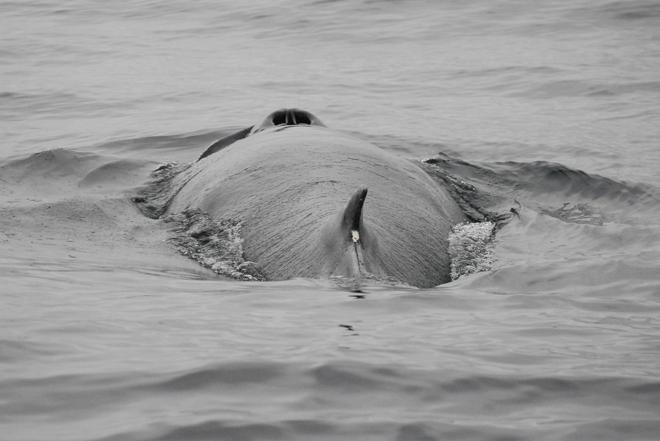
x=552 y=110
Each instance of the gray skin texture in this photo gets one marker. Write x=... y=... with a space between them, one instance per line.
x=290 y=185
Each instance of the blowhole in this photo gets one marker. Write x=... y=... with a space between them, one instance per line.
x=288 y=117
x=279 y=117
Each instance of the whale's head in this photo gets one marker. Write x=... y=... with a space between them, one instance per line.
x=284 y=118
x=278 y=120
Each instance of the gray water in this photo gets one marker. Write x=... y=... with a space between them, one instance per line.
x=106 y=333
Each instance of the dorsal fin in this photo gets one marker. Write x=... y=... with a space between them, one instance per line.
x=352 y=218
x=224 y=142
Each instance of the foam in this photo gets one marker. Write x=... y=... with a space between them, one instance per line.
x=471 y=248
x=215 y=245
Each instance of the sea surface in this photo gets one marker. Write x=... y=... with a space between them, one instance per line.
x=550 y=109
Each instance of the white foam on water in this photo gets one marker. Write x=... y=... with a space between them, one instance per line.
x=215 y=245
x=471 y=248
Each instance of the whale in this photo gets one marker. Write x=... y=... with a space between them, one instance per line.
x=315 y=202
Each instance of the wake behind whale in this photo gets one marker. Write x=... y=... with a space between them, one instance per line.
x=293 y=198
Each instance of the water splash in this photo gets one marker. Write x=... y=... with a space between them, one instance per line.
x=471 y=248
x=215 y=245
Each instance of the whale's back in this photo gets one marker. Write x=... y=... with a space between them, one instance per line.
x=286 y=186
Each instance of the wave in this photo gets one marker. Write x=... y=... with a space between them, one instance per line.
x=298 y=400
x=230 y=374
x=62 y=173
x=631 y=11
x=569 y=194
x=338 y=376
x=573 y=88
x=14 y=106
x=175 y=147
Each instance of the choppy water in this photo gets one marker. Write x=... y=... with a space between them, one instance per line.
x=552 y=109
